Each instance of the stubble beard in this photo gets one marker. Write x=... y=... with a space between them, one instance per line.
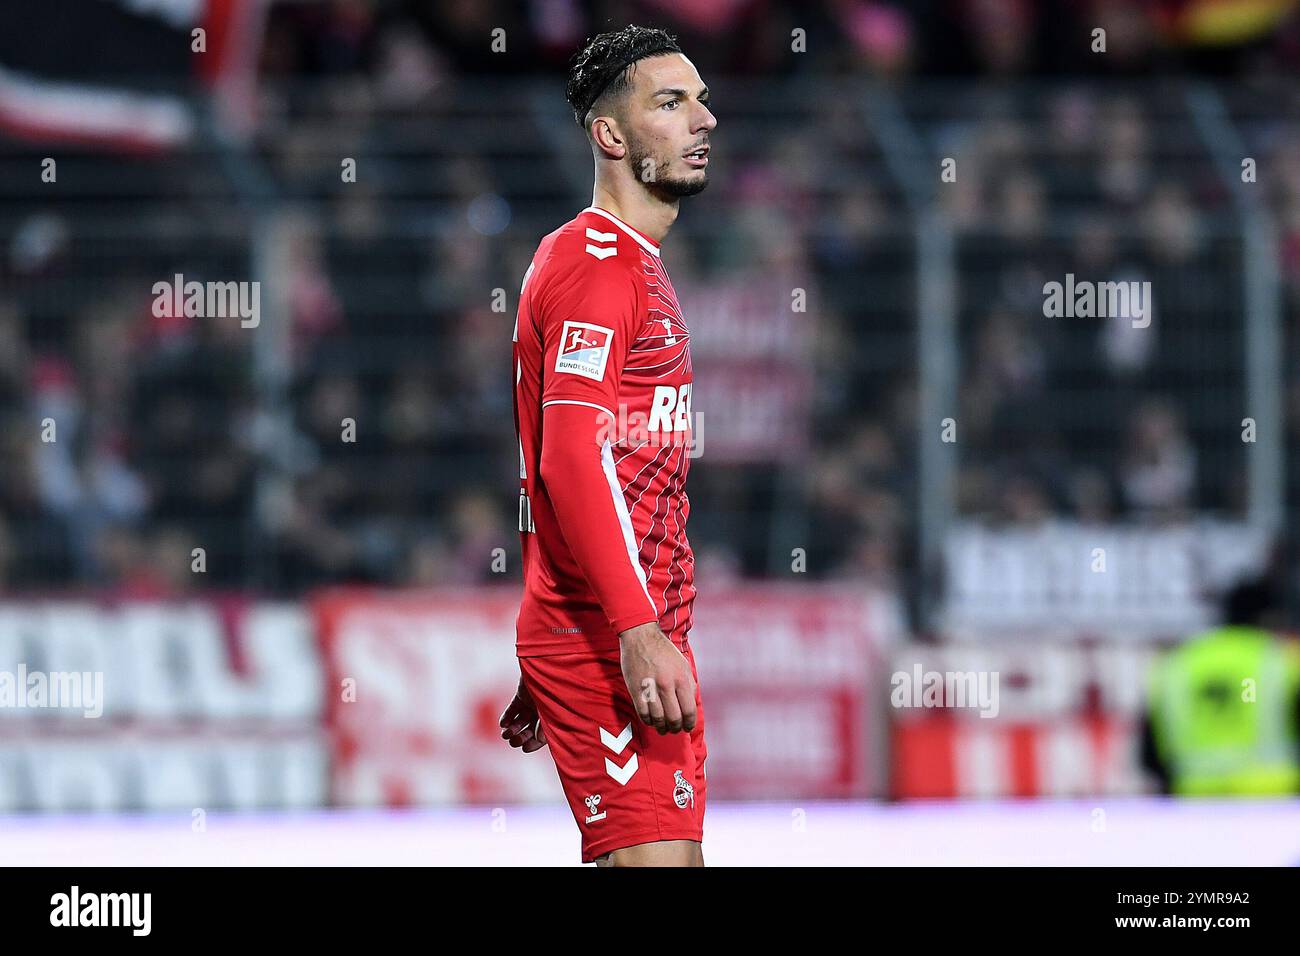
x=663 y=187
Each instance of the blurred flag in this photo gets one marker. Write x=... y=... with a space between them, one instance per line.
x=121 y=74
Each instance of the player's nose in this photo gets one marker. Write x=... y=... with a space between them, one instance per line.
x=704 y=120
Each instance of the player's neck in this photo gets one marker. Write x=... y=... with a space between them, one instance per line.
x=640 y=210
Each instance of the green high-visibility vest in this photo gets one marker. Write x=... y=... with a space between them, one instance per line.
x=1222 y=712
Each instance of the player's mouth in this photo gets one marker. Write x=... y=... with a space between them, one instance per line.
x=698 y=157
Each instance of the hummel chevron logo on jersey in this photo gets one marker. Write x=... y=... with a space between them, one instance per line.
x=624 y=773
x=605 y=238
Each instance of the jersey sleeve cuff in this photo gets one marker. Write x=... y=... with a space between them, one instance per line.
x=632 y=620
x=567 y=401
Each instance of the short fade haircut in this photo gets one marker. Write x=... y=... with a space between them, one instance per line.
x=603 y=67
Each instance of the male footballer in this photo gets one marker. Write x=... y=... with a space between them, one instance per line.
x=602 y=407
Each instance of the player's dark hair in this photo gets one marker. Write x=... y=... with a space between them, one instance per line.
x=603 y=67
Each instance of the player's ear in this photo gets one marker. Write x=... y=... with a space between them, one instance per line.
x=605 y=134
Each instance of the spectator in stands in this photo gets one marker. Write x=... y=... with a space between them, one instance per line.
x=1158 y=472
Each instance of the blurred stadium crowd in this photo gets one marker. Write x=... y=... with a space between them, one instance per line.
x=172 y=432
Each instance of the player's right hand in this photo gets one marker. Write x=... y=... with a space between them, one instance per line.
x=520 y=723
x=659 y=679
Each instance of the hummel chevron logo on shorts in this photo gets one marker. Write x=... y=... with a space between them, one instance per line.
x=617 y=744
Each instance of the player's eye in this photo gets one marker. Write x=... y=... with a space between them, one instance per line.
x=672 y=103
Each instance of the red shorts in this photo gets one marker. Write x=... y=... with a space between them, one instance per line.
x=625 y=782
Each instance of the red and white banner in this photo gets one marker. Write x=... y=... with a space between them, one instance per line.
x=189 y=705
x=417 y=681
x=785 y=672
x=1016 y=720
x=390 y=698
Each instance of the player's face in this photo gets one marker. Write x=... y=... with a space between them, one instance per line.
x=668 y=125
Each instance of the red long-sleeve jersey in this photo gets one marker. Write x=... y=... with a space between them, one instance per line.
x=602 y=409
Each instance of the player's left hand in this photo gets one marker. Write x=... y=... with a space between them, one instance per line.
x=520 y=723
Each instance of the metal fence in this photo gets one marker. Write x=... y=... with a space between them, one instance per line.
x=871 y=317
